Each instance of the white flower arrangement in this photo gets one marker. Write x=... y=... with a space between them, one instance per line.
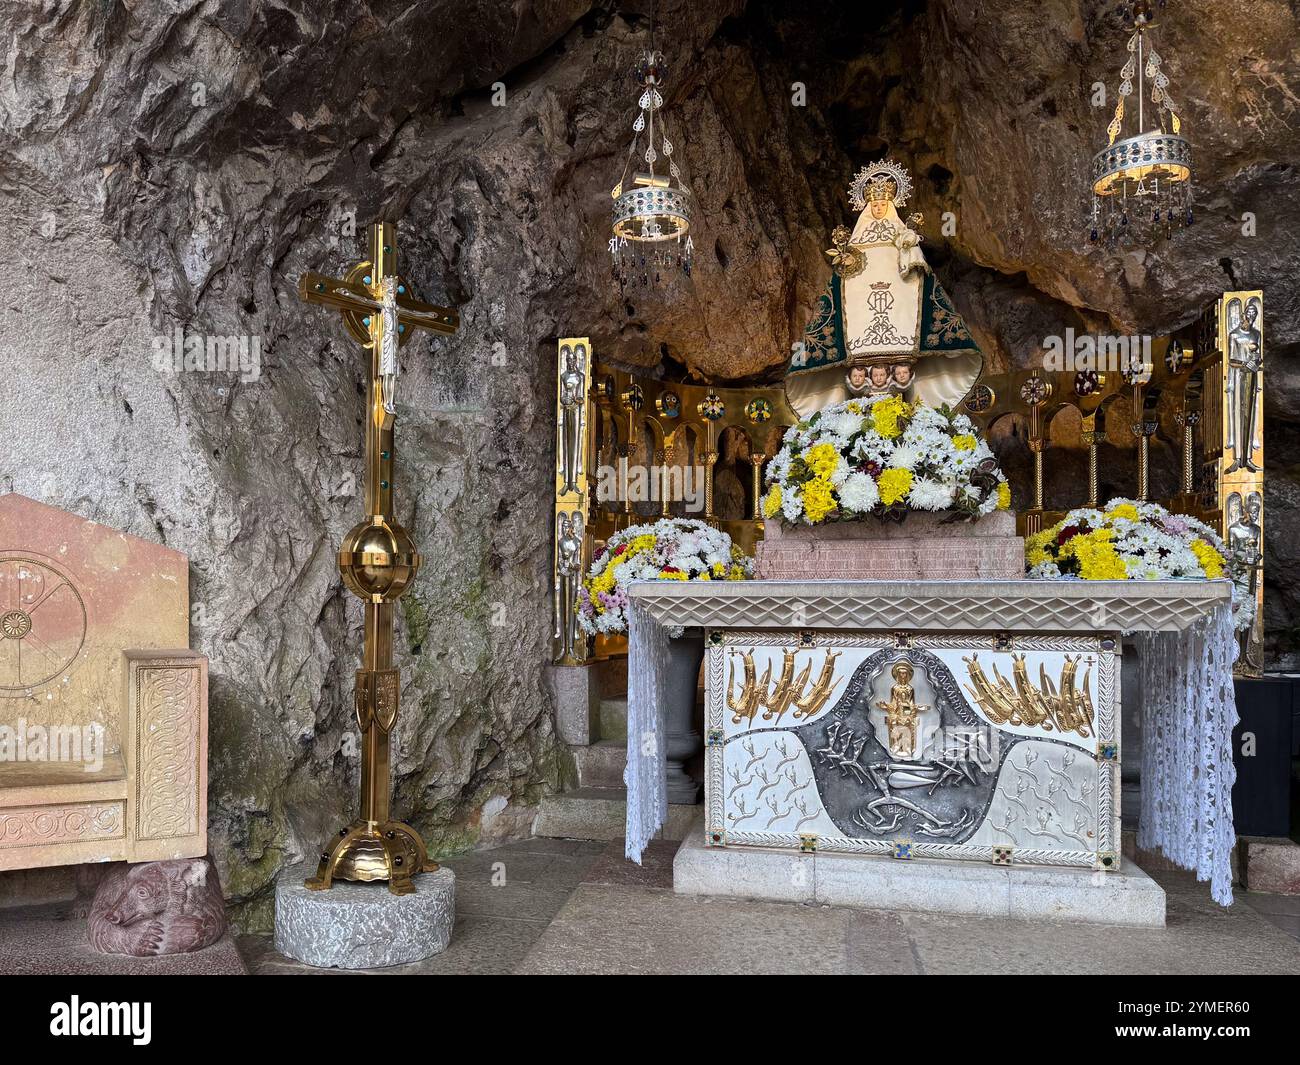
x=672 y=549
x=883 y=456
x=1129 y=540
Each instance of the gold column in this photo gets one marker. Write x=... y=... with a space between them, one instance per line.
x=1093 y=438
x=662 y=457
x=757 y=458
x=1142 y=429
x=1034 y=516
x=622 y=478
x=1188 y=420
x=710 y=460
x=1240 y=337
x=1143 y=489
x=576 y=472
x=1037 y=447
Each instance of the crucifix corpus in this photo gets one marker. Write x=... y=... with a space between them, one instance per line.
x=378 y=559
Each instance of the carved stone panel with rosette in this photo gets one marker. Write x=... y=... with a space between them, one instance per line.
x=167 y=725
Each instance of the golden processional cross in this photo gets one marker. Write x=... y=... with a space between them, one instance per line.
x=378 y=559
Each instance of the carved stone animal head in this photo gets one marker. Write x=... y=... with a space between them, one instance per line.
x=168 y=907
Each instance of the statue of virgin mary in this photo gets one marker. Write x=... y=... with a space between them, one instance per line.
x=884 y=323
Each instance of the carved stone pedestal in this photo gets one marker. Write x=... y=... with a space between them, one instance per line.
x=922 y=547
x=364 y=925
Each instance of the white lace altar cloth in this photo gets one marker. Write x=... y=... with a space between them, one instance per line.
x=1189 y=713
x=646 y=772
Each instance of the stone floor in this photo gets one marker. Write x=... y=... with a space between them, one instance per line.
x=570 y=906
x=50 y=939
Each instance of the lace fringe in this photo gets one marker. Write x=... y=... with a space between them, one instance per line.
x=1189 y=712
x=647 y=787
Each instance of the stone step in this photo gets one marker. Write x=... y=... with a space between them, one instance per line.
x=1271 y=864
x=613 y=718
x=601 y=813
x=601 y=765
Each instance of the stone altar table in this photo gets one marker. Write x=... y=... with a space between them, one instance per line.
x=969 y=729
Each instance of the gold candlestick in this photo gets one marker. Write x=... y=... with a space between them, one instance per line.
x=377 y=559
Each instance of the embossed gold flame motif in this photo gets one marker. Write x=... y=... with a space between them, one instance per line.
x=902 y=712
x=1062 y=707
x=776 y=699
x=378 y=559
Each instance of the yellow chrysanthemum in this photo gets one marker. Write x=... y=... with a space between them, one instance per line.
x=772 y=504
x=602 y=582
x=1004 y=496
x=964 y=442
x=854 y=407
x=1098 y=560
x=736 y=573
x=1211 y=561
x=817 y=499
x=885 y=415
x=1036 y=547
x=1086 y=541
x=822 y=459
x=1123 y=510
x=719 y=570
x=1041 y=546
x=644 y=542
x=672 y=575
x=894 y=483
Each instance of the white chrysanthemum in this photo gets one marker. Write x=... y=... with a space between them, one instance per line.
x=905 y=457
x=791 y=505
x=842 y=424
x=841 y=472
x=928 y=494
x=859 y=493
x=874 y=448
x=928 y=417
x=778 y=469
x=961 y=463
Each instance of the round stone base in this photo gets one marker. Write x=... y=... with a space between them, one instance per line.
x=364 y=926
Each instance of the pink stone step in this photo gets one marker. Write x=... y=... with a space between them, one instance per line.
x=919 y=548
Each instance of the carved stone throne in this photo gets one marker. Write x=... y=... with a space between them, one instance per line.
x=94 y=634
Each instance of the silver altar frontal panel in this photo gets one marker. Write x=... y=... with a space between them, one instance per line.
x=974 y=721
x=993 y=747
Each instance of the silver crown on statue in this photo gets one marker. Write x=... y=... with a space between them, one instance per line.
x=886 y=180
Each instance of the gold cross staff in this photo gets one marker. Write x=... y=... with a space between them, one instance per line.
x=378 y=560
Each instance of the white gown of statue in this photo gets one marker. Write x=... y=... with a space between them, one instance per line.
x=881 y=317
